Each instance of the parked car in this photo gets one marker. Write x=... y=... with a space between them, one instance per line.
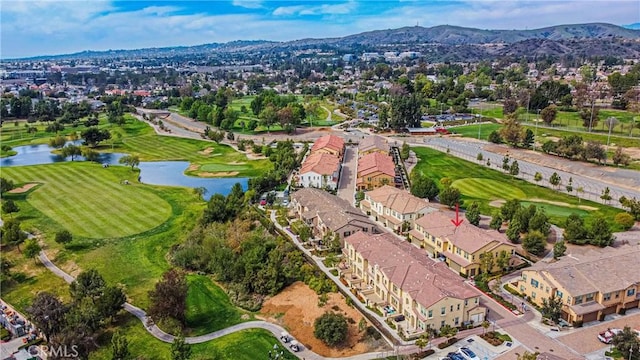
x=455 y=356
x=607 y=335
x=467 y=353
x=284 y=336
x=294 y=346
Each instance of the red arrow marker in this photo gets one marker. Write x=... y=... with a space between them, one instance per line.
x=457 y=221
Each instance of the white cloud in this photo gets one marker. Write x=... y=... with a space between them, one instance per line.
x=249 y=4
x=324 y=9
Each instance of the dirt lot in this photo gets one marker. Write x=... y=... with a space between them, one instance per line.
x=296 y=309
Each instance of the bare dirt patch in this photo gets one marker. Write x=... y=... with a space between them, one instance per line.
x=206 y=151
x=218 y=174
x=193 y=167
x=497 y=203
x=296 y=309
x=559 y=203
x=23 y=189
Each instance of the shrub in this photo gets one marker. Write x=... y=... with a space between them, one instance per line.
x=372 y=332
x=331 y=328
x=625 y=220
x=63 y=237
x=447 y=343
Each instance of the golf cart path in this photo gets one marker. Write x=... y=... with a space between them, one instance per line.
x=154 y=330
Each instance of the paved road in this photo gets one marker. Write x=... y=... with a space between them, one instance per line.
x=591 y=181
x=347 y=184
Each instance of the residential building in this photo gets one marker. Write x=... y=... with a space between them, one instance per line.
x=371 y=144
x=395 y=276
x=320 y=170
x=394 y=207
x=591 y=286
x=461 y=246
x=375 y=170
x=328 y=214
x=329 y=144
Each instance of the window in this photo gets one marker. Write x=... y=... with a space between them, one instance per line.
x=533 y=294
x=534 y=283
x=524 y=277
x=456 y=321
x=406 y=301
x=458 y=307
x=395 y=289
x=442 y=323
x=466 y=302
x=430 y=314
x=559 y=294
x=451 y=309
x=476 y=300
x=423 y=311
x=617 y=294
x=607 y=296
x=590 y=297
x=547 y=290
x=578 y=299
x=631 y=291
x=522 y=288
x=443 y=310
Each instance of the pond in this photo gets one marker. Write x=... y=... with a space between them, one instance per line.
x=169 y=173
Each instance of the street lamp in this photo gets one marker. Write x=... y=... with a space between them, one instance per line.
x=611 y=120
x=535 y=137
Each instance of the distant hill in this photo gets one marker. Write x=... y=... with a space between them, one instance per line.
x=444 y=42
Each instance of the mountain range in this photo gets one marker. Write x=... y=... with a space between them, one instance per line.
x=444 y=42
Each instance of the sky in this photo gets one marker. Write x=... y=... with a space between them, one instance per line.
x=31 y=28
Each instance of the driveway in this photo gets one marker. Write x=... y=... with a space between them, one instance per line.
x=347 y=184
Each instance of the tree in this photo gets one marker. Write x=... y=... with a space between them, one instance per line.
x=423 y=340
x=495 y=137
x=594 y=150
x=503 y=260
x=9 y=207
x=569 y=186
x=119 y=346
x=505 y=163
x=606 y=195
x=180 y=350
x=627 y=343
x=590 y=118
x=513 y=231
x=268 y=116
x=404 y=151
x=528 y=356
x=552 y=308
x=555 y=179
x=93 y=136
x=111 y=301
x=448 y=331
x=574 y=229
x=633 y=206
x=534 y=242
x=559 y=249
x=540 y=222
x=424 y=187
x=511 y=131
x=537 y=177
x=549 y=114
x=509 y=209
x=169 y=297
x=473 y=213
x=529 y=139
x=90 y=154
x=47 y=312
x=486 y=262
x=600 y=232
x=331 y=328
x=6 y=185
x=57 y=142
x=11 y=233
x=31 y=248
x=63 y=237
x=450 y=196
x=509 y=106
x=479 y=157
x=496 y=220
x=71 y=150
x=130 y=160
x=514 y=170
x=620 y=157
x=485 y=325
x=88 y=284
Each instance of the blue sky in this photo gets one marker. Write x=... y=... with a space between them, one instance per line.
x=30 y=28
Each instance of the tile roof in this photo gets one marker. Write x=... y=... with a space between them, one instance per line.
x=373 y=162
x=320 y=163
x=373 y=143
x=426 y=280
x=329 y=141
x=467 y=237
x=607 y=270
x=332 y=210
x=399 y=200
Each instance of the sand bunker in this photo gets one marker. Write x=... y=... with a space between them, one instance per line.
x=23 y=188
x=218 y=174
x=206 y=151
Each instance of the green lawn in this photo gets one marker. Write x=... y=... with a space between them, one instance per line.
x=472 y=130
x=208 y=307
x=91 y=201
x=247 y=344
x=478 y=183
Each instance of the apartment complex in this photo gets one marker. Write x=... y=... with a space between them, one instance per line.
x=462 y=246
x=328 y=214
x=398 y=279
x=375 y=170
x=371 y=144
x=395 y=208
x=320 y=170
x=591 y=286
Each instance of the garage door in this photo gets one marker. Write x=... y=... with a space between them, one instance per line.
x=632 y=305
x=477 y=319
x=590 y=317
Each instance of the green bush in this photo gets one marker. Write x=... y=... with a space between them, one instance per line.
x=5 y=334
x=447 y=343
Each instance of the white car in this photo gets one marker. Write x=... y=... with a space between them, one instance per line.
x=607 y=335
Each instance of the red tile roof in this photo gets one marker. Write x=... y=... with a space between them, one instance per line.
x=376 y=162
x=320 y=163
x=332 y=142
